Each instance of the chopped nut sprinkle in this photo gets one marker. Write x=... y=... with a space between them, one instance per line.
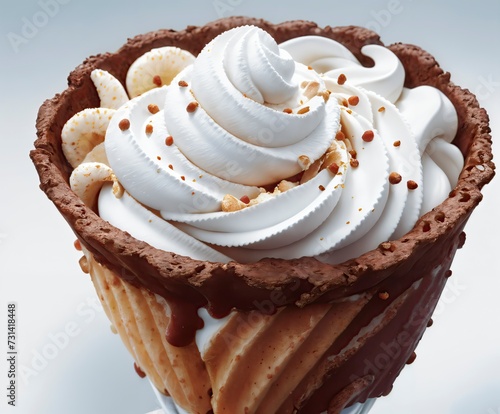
x=231 y=203
x=322 y=188
x=394 y=178
x=341 y=79
x=288 y=111
x=303 y=110
x=368 y=136
x=170 y=166
x=354 y=162
x=153 y=108
x=124 y=124
x=157 y=80
x=285 y=185
x=412 y=185
x=192 y=106
x=325 y=95
x=397 y=143
x=353 y=153
x=183 y=178
x=158 y=158
x=388 y=246
x=340 y=136
x=183 y=84
x=304 y=162
x=169 y=140
x=383 y=295
x=381 y=109
x=334 y=168
x=353 y=100
x=149 y=129
x=245 y=199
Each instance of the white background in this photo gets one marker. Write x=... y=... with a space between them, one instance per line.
x=68 y=360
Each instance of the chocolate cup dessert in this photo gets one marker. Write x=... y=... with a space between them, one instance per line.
x=400 y=281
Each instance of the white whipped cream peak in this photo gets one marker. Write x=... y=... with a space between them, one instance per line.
x=243 y=83
x=263 y=149
x=258 y=68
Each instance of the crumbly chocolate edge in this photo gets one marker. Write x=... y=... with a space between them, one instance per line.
x=304 y=280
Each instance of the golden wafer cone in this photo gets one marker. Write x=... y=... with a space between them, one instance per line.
x=141 y=319
x=256 y=361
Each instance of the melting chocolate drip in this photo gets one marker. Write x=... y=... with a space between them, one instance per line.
x=184 y=322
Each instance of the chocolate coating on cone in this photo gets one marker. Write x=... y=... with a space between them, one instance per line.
x=189 y=284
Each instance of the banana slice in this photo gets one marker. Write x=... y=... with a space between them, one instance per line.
x=85 y=130
x=87 y=179
x=111 y=92
x=98 y=154
x=156 y=68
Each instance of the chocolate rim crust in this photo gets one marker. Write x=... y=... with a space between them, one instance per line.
x=222 y=287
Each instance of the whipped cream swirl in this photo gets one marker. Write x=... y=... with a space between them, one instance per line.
x=242 y=83
x=315 y=154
